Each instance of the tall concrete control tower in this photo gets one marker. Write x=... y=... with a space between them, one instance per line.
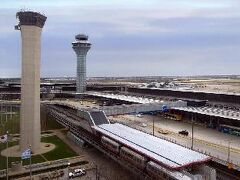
x=81 y=45
x=30 y=25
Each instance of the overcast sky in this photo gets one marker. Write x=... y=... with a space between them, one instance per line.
x=129 y=38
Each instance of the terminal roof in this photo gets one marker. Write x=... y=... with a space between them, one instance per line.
x=212 y=111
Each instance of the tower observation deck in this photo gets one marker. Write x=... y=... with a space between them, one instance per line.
x=81 y=46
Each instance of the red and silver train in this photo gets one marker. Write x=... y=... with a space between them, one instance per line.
x=153 y=169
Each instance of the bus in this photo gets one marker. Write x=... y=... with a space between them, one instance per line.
x=229 y=129
x=176 y=117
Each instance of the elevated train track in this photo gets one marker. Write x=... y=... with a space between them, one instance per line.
x=78 y=125
x=73 y=126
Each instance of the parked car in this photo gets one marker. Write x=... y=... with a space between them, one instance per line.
x=70 y=174
x=183 y=132
x=139 y=115
x=77 y=173
x=80 y=170
x=163 y=131
x=144 y=125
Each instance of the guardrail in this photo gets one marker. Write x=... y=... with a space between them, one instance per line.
x=43 y=166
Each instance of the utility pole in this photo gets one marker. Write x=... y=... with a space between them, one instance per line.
x=230 y=165
x=97 y=175
x=11 y=113
x=228 y=156
x=192 y=132
x=7 y=157
x=1 y=109
x=68 y=166
x=153 y=123
x=3 y=124
x=30 y=167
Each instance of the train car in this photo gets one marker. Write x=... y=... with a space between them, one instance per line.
x=110 y=144
x=158 y=172
x=133 y=157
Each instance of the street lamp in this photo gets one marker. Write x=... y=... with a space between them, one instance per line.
x=7 y=156
x=153 y=124
x=97 y=177
x=30 y=147
x=228 y=157
x=192 y=132
x=95 y=167
x=68 y=166
x=229 y=150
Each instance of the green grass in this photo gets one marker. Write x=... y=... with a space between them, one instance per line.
x=51 y=124
x=12 y=124
x=3 y=160
x=61 y=151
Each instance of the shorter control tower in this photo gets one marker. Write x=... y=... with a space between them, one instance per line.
x=81 y=45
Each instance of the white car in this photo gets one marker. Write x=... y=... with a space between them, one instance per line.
x=77 y=173
x=139 y=115
x=70 y=174
x=144 y=125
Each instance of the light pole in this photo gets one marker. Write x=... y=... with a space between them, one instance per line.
x=3 y=124
x=30 y=167
x=1 y=109
x=229 y=150
x=153 y=123
x=7 y=157
x=230 y=166
x=97 y=175
x=68 y=166
x=192 y=132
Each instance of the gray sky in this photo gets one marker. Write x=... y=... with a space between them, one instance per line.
x=130 y=38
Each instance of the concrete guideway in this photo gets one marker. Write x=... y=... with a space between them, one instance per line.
x=95 y=141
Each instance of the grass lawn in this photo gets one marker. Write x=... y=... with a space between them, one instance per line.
x=61 y=151
x=51 y=123
x=12 y=123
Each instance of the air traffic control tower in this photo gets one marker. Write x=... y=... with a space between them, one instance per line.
x=81 y=46
x=30 y=25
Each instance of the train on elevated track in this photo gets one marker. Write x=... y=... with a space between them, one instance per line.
x=135 y=149
x=152 y=168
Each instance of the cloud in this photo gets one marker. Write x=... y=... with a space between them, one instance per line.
x=152 y=37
